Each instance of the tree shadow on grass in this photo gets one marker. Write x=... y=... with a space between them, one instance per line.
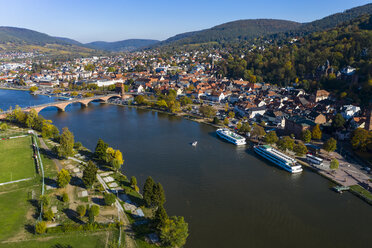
x=98 y=201
x=72 y=215
x=50 y=182
x=76 y=181
x=35 y=204
x=30 y=228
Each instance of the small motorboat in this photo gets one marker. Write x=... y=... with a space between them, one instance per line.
x=194 y=143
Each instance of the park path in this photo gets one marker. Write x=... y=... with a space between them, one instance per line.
x=46 y=148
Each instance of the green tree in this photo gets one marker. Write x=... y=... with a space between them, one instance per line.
x=226 y=121
x=48 y=214
x=257 y=131
x=245 y=128
x=334 y=164
x=32 y=89
x=316 y=133
x=100 y=151
x=109 y=199
x=286 y=143
x=148 y=189
x=90 y=174
x=306 y=136
x=89 y=67
x=231 y=114
x=133 y=181
x=300 y=149
x=63 y=178
x=239 y=125
x=271 y=137
x=185 y=101
x=44 y=200
x=3 y=127
x=67 y=142
x=174 y=232
x=140 y=99
x=361 y=139
x=93 y=212
x=158 y=195
x=330 y=145
x=81 y=210
x=115 y=158
x=207 y=111
x=65 y=197
x=160 y=217
x=40 y=227
x=162 y=104
x=338 y=122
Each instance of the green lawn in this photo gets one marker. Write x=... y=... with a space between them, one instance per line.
x=363 y=192
x=74 y=240
x=14 y=207
x=16 y=159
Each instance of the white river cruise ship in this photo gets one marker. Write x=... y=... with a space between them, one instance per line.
x=287 y=163
x=230 y=136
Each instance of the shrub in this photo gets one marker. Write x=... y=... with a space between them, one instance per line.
x=40 y=227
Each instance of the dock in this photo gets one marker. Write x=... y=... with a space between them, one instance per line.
x=340 y=189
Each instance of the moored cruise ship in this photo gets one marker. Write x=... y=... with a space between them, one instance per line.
x=230 y=136
x=278 y=158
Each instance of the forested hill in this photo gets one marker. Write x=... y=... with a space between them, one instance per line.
x=336 y=19
x=233 y=31
x=120 y=46
x=301 y=63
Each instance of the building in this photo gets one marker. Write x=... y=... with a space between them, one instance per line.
x=319 y=95
x=298 y=124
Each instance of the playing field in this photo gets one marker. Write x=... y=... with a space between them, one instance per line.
x=16 y=160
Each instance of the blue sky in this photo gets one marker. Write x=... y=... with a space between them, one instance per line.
x=112 y=20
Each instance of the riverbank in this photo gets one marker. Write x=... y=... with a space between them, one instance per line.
x=6 y=88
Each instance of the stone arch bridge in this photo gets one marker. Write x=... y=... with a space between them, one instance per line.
x=61 y=105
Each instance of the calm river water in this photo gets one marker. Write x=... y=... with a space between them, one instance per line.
x=229 y=196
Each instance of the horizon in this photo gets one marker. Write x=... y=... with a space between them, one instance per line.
x=105 y=22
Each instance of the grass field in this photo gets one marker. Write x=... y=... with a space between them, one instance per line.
x=16 y=159
x=14 y=207
x=74 y=240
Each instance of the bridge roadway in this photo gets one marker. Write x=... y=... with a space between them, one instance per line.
x=61 y=105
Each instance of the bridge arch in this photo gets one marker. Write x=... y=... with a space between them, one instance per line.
x=60 y=108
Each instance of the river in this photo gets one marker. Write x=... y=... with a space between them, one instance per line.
x=229 y=196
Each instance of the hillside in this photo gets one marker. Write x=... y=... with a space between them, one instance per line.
x=21 y=39
x=120 y=46
x=233 y=31
x=349 y=44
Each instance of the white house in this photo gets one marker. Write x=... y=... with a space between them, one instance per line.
x=349 y=111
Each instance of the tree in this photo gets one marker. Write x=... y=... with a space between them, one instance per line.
x=306 y=136
x=32 y=89
x=174 y=232
x=231 y=114
x=226 y=107
x=67 y=142
x=361 y=139
x=63 y=178
x=44 y=200
x=93 y=212
x=48 y=130
x=263 y=124
x=316 y=133
x=338 y=122
x=257 y=131
x=100 y=151
x=271 y=137
x=133 y=181
x=40 y=227
x=334 y=164
x=245 y=127
x=300 y=149
x=286 y=143
x=148 y=191
x=216 y=121
x=162 y=104
x=89 y=174
x=207 y=111
x=185 y=101
x=3 y=127
x=226 y=121
x=109 y=199
x=65 y=197
x=160 y=217
x=81 y=210
x=115 y=158
x=330 y=145
x=48 y=214
x=140 y=99
x=239 y=125
x=158 y=198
